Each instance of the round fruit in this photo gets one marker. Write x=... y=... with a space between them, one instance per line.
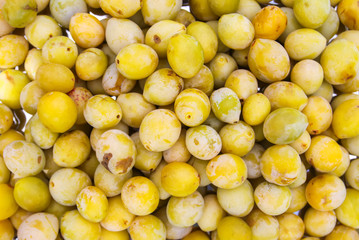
x=255 y=109
x=147 y=227
x=136 y=61
x=324 y=154
x=344 y=123
x=42 y=29
x=231 y=228
x=325 y=192
x=57 y=111
x=61 y=50
x=227 y=171
x=11 y=84
x=72 y=222
x=116 y=151
x=6 y=118
x=237 y=201
x=269 y=23
x=192 y=107
x=347 y=213
x=284 y=125
x=8 y=205
x=102 y=112
x=203 y=142
x=212 y=213
x=291 y=226
x=159 y=130
x=179 y=179
x=185 y=211
x=118 y=217
x=235 y=31
x=280 y=164
x=263 y=226
x=92 y=204
x=32 y=194
x=348 y=13
x=66 y=183
x=19 y=13
x=63 y=10
x=162 y=87
x=185 y=55
x=334 y=72
x=268 y=60
x=71 y=149
x=24 y=158
x=272 y=199
x=207 y=38
x=140 y=196
x=319 y=223
x=226 y=105
x=7 y=230
x=86 y=30
x=237 y=138
x=91 y=64
x=41 y=226
x=304 y=43
x=311 y=14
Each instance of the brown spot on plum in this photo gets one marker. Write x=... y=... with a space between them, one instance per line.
x=195 y=141
x=285 y=180
x=68 y=49
x=325 y=200
x=9 y=77
x=118 y=116
x=124 y=164
x=27 y=7
x=39 y=160
x=346 y=78
x=171 y=73
x=118 y=84
x=254 y=42
x=119 y=12
x=156 y=39
x=315 y=132
x=117 y=61
x=52 y=184
x=106 y=159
